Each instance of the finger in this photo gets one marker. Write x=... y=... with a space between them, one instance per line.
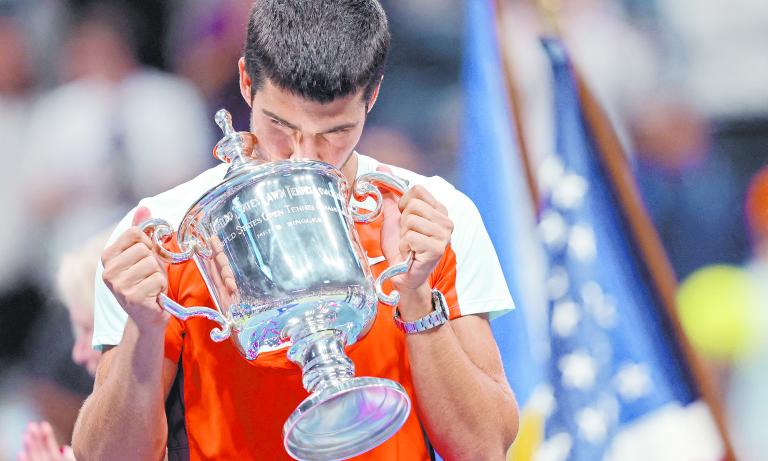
x=143 y=269
x=251 y=146
x=146 y=293
x=67 y=453
x=142 y=214
x=152 y=286
x=404 y=247
x=129 y=268
x=230 y=283
x=127 y=239
x=128 y=257
x=49 y=439
x=22 y=456
x=390 y=229
x=30 y=441
x=414 y=222
x=389 y=207
x=420 y=192
x=425 y=248
x=33 y=430
x=227 y=275
x=427 y=211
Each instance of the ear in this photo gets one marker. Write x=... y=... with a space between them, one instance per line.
x=374 y=95
x=245 y=81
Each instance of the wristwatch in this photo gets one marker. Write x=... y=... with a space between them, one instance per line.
x=434 y=319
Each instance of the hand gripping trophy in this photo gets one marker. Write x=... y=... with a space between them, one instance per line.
x=276 y=245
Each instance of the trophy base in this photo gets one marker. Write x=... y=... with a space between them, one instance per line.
x=346 y=419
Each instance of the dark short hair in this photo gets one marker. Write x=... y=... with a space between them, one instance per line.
x=318 y=49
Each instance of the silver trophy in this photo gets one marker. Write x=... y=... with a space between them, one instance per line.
x=277 y=247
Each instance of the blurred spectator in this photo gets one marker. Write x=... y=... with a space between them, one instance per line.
x=19 y=301
x=205 y=40
x=690 y=192
x=717 y=59
x=717 y=54
x=114 y=133
x=75 y=283
x=40 y=445
x=420 y=95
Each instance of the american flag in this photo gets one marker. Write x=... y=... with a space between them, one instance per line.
x=612 y=357
x=612 y=383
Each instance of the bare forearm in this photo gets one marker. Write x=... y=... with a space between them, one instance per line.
x=469 y=414
x=124 y=418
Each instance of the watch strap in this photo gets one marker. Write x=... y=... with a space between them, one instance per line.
x=437 y=317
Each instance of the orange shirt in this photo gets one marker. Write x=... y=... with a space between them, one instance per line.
x=235 y=409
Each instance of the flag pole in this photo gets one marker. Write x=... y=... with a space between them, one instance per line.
x=513 y=98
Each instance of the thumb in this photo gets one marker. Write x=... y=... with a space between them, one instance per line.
x=141 y=215
x=390 y=227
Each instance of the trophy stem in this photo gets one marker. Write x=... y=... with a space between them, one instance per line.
x=343 y=416
x=322 y=359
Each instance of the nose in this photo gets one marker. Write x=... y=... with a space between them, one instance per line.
x=306 y=146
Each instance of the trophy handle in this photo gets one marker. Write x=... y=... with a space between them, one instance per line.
x=392 y=298
x=183 y=313
x=369 y=185
x=160 y=232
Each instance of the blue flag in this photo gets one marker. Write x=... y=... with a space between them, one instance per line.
x=492 y=176
x=612 y=383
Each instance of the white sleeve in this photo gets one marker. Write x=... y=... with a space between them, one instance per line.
x=109 y=318
x=480 y=283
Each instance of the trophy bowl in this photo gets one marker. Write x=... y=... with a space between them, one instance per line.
x=276 y=245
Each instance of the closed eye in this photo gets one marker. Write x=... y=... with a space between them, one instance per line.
x=338 y=130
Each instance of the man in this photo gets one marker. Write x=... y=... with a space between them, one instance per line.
x=310 y=73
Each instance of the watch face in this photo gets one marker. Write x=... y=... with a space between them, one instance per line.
x=438 y=302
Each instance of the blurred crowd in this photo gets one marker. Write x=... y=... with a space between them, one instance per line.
x=105 y=102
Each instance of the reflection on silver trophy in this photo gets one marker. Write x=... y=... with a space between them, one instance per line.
x=276 y=245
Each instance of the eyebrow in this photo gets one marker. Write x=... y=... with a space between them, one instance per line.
x=279 y=119
x=343 y=126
